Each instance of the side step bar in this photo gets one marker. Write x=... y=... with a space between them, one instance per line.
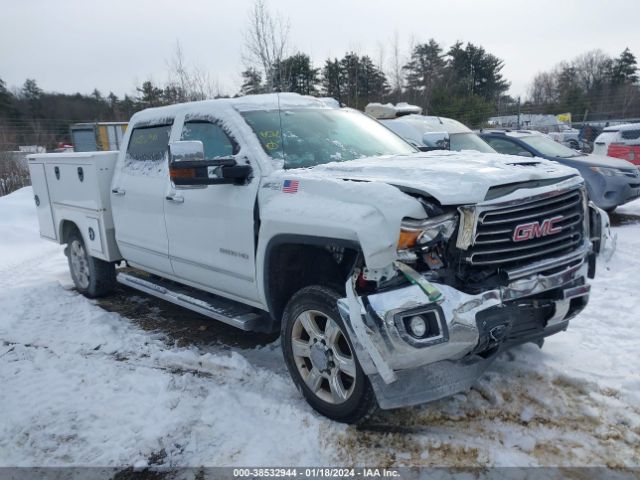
x=212 y=306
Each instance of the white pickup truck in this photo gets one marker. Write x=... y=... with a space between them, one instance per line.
x=395 y=276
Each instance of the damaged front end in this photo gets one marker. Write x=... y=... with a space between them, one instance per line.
x=436 y=329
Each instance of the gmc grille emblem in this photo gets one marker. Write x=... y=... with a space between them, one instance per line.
x=533 y=230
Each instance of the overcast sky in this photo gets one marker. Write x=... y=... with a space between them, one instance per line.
x=113 y=45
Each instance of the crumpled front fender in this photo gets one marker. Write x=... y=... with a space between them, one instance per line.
x=603 y=240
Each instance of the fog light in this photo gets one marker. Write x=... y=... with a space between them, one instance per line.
x=418 y=326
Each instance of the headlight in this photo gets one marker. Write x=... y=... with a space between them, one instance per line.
x=423 y=232
x=608 y=172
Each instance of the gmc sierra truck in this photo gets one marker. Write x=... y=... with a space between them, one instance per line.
x=394 y=276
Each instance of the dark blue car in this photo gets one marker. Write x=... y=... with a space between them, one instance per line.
x=610 y=181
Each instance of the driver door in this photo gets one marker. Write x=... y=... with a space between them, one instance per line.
x=211 y=227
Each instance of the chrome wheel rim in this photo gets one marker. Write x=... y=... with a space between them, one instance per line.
x=79 y=264
x=323 y=357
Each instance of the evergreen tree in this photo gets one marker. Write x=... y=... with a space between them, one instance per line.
x=251 y=82
x=354 y=80
x=150 y=95
x=112 y=100
x=172 y=93
x=31 y=90
x=33 y=95
x=6 y=101
x=296 y=74
x=424 y=72
x=372 y=83
x=624 y=68
x=349 y=73
x=476 y=72
x=97 y=95
x=571 y=97
x=332 y=79
x=128 y=106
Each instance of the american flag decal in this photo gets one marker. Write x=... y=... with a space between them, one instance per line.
x=290 y=186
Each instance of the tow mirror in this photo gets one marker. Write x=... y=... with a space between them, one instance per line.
x=436 y=140
x=188 y=166
x=192 y=150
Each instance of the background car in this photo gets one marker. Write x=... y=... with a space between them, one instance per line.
x=610 y=181
x=424 y=132
x=620 y=141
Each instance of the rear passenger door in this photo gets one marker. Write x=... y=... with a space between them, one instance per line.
x=211 y=228
x=138 y=198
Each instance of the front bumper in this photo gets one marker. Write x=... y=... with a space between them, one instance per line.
x=617 y=190
x=472 y=330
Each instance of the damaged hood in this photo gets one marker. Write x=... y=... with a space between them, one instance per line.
x=452 y=178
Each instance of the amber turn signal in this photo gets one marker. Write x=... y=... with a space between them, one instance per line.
x=182 y=173
x=408 y=238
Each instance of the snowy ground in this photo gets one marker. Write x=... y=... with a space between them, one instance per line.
x=135 y=381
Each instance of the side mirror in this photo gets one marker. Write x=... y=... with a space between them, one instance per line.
x=436 y=140
x=192 y=150
x=187 y=166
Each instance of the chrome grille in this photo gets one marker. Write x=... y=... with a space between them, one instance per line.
x=494 y=243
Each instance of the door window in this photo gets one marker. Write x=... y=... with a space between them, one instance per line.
x=148 y=143
x=505 y=146
x=214 y=139
x=147 y=150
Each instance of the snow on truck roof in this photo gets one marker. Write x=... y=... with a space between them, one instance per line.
x=389 y=111
x=268 y=101
x=622 y=128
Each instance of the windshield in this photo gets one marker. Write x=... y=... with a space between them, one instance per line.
x=549 y=147
x=469 y=141
x=308 y=137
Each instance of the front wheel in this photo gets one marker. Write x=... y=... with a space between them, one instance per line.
x=92 y=277
x=321 y=358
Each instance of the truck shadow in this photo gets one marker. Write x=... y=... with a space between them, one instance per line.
x=181 y=326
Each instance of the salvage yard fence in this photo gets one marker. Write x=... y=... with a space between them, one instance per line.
x=13 y=174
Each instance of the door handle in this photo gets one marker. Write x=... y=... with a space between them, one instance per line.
x=175 y=198
x=118 y=191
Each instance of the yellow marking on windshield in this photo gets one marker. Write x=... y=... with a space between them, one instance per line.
x=269 y=134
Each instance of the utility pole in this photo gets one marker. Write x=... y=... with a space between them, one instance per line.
x=518 y=113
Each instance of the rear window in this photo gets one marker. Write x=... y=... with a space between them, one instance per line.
x=148 y=143
x=630 y=134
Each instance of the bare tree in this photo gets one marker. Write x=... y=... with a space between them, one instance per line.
x=544 y=88
x=592 y=69
x=188 y=84
x=629 y=93
x=381 y=56
x=266 y=41
x=395 y=66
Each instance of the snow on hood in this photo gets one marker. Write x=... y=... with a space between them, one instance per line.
x=452 y=178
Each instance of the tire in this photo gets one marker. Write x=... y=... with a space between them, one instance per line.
x=328 y=375
x=92 y=277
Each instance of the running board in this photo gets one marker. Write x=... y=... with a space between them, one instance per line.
x=212 y=306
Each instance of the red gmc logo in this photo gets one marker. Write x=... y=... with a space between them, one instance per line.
x=532 y=230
